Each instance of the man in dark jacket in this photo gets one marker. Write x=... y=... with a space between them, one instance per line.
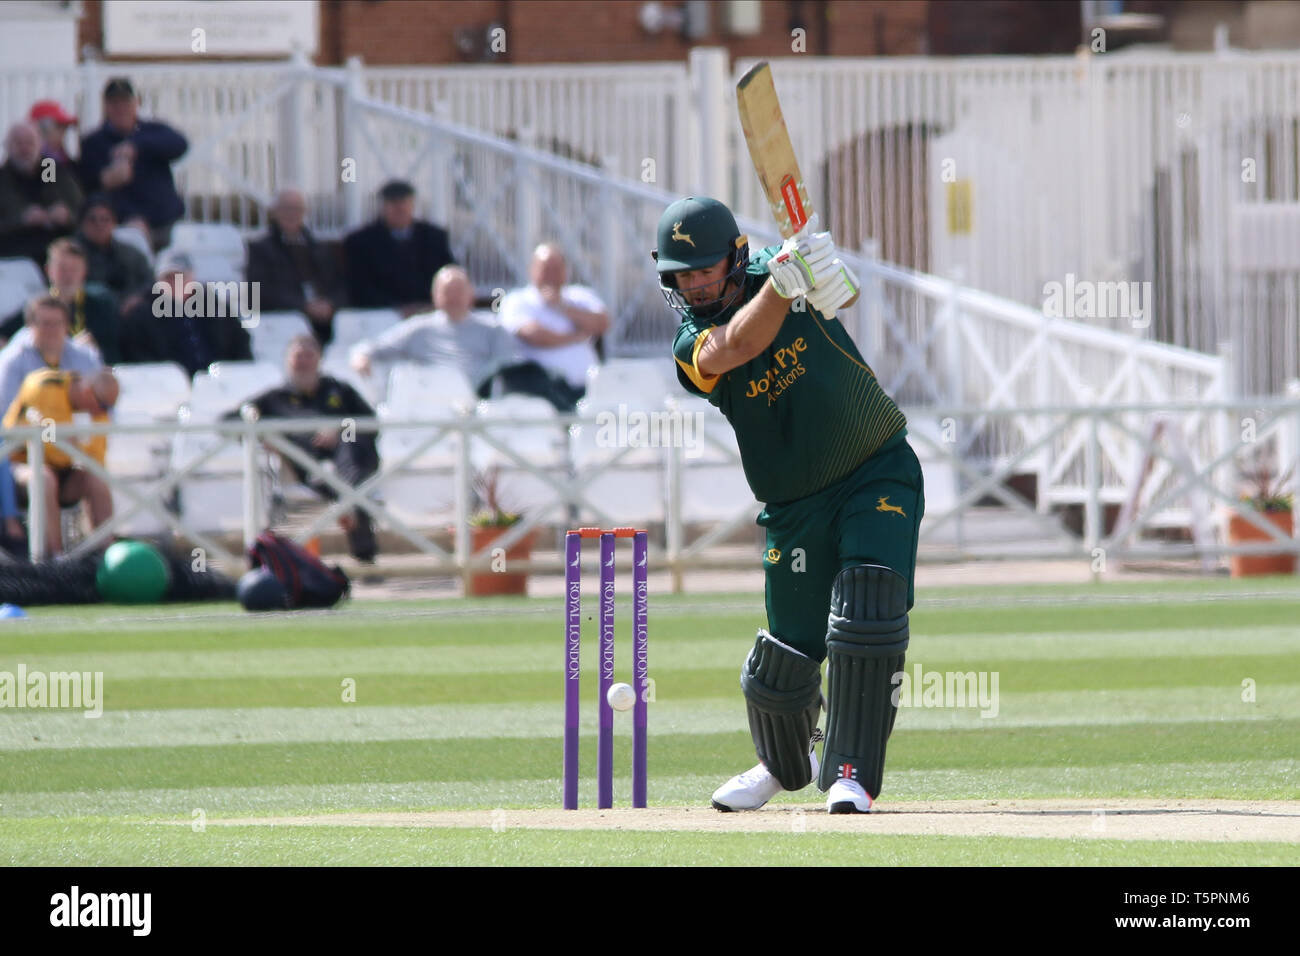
x=38 y=204
x=296 y=273
x=391 y=262
x=309 y=394
x=130 y=159
x=118 y=266
x=177 y=320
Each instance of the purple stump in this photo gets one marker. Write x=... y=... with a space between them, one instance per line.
x=605 y=738
x=572 y=663
x=640 y=664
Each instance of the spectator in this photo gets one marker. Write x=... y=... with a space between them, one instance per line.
x=466 y=339
x=295 y=271
x=52 y=122
x=130 y=159
x=44 y=344
x=391 y=262
x=309 y=394
x=171 y=323
x=38 y=201
x=118 y=266
x=55 y=395
x=556 y=322
x=93 y=310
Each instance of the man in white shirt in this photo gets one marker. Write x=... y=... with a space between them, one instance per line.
x=554 y=322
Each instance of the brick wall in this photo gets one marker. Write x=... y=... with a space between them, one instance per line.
x=399 y=32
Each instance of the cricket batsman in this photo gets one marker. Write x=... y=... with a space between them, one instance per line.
x=825 y=449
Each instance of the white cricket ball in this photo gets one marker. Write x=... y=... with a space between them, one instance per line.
x=621 y=696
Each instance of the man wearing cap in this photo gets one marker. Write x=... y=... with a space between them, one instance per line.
x=170 y=322
x=130 y=159
x=52 y=121
x=391 y=262
x=39 y=200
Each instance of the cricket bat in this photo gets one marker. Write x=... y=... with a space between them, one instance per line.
x=771 y=150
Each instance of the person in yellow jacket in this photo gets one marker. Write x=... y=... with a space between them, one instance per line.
x=51 y=397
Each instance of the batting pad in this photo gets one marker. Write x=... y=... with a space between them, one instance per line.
x=783 y=697
x=866 y=642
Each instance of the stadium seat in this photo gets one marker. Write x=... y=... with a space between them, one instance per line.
x=641 y=383
x=423 y=491
x=355 y=325
x=20 y=279
x=214 y=267
x=543 y=446
x=713 y=485
x=423 y=391
x=208 y=238
x=136 y=239
x=228 y=383
x=272 y=334
x=628 y=481
x=156 y=388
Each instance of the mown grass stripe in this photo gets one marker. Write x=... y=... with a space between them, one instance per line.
x=672 y=683
x=681 y=650
x=523 y=758
x=46 y=730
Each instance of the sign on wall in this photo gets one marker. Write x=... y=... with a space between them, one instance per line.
x=215 y=27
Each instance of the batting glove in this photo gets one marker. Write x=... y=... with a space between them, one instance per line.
x=835 y=285
x=795 y=265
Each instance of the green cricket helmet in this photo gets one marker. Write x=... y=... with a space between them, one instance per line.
x=695 y=233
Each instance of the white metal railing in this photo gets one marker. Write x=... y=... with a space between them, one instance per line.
x=1183 y=482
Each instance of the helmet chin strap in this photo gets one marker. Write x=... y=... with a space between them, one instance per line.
x=707 y=310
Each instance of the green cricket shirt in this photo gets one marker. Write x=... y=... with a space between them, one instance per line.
x=807 y=411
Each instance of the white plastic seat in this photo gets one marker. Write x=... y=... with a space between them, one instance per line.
x=155 y=388
x=226 y=384
x=24 y=274
x=133 y=237
x=356 y=325
x=215 y=267
x=272 y=334
x=428 y=391
x=544 y=446
x=208 y=238
x=643 y=383
x=20 y=279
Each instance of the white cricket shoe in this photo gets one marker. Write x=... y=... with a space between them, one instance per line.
x=847 y=796
x=753 y=788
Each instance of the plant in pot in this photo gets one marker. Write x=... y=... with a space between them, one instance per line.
x=1266 y=497
x=491 y=521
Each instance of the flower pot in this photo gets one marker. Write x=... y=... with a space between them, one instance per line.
x=1241 y=531
x=499 y=582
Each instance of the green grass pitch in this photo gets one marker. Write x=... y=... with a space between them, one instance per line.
x=1164 y=690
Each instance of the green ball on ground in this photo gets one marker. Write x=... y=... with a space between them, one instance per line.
x=132 y=572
